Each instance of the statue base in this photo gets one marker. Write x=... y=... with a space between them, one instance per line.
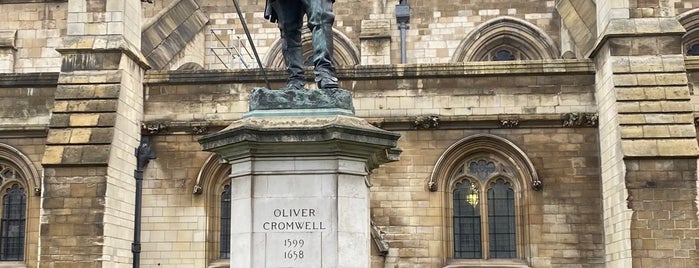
x=282 y=99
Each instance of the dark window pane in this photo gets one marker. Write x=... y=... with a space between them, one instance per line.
x=501 y=221
x=225 y=247
x=693 y=50
x=14 y=203
x=503 y=55
x=467 y=222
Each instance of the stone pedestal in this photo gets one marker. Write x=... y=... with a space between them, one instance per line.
x=300 y=193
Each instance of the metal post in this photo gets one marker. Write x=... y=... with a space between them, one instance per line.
x=252 y=44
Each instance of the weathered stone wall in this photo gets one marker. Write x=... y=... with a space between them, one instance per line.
x=436 y=28
x=32 y=146
x=564 y=220
x=179 y=103
x=40 y=27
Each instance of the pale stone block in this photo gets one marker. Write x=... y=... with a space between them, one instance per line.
x=292 y=185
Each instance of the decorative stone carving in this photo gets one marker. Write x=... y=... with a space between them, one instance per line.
x=379 y=238
x=199 y=130
x=153 y=128
x=198 y=189
x=425 y=122
x=580 y=120
x=509 y=123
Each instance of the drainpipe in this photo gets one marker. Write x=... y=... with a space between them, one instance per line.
x=403 y=18
x=144 y=153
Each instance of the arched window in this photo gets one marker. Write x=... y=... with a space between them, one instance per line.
x=13 y=215
x=506 y=38
x=225 y=245
x=484 y=216
x=487 y=184
x=19 y=188
x=14 y=204
x=213 y=184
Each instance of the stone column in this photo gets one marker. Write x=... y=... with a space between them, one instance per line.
x=648 y=141
x=88 y=198
x=300 y=195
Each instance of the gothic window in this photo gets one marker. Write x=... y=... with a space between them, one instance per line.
x=12 y=215
x=484 y=211
x=214 y=185
x=225 y=245
x=496 y=231
x=13 y=220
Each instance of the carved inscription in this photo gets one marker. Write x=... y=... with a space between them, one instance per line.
x=294 y=235
x=294 y=219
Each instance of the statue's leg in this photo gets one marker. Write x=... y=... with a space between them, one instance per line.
x=290 y=20
x=320 y=22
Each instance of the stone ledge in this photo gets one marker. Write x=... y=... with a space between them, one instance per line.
x=637 y=27
x=404 y=71
x=34 y=80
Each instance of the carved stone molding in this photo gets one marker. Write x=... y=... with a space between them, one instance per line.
x=425 y=122
x=580 y=119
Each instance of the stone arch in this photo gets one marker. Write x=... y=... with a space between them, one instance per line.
x=211 y=180
x=521 y=37
x=212 y=169
x=345 y=53
x=23 y=164
x=482 y=144
x=190 y=66
x=690 y=22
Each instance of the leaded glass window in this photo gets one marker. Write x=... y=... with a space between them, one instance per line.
x=484 y=212
x=225 y=246
x=501 y=220
x=14 y=202
x=467 y=221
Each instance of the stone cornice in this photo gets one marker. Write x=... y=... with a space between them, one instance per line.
x=35 y=80
x=164 y=127
x=102 y=44
x=462 y=69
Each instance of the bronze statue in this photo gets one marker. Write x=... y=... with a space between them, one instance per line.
x=288 y=14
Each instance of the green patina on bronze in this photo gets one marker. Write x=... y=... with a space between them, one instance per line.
x=269 y=99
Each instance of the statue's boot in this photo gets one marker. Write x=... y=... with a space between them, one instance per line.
x=320 y=22
x=294 y=66
x=290 y=17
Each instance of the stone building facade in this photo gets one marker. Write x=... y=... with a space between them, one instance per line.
x=534 y=133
